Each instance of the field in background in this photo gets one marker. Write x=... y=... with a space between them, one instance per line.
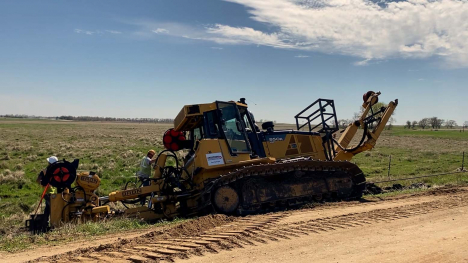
x=114 y=150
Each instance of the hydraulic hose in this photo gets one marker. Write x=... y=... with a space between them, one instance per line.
x=359 y=144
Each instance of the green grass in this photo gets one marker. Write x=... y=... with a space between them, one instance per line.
x=406 y=162
x=455 y=133
x=113 y=150
x=415 y=153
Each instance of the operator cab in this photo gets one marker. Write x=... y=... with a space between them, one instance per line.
x=232 y=122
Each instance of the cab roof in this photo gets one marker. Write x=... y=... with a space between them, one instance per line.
x=191 y=116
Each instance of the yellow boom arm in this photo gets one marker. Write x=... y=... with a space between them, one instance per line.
x=344 y=154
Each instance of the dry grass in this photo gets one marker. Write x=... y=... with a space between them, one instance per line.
x=111 y=149
x=12 y=177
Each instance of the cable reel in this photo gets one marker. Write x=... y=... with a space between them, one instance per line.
x=367 y=95
x=61 y=174
x=174 y=140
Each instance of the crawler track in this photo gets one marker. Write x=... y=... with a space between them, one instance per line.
x=289 y=183
x=231 y=233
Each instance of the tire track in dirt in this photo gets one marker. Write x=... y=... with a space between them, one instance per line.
x=216 y=233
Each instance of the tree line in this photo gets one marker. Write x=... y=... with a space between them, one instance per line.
x=91 y=118
x=434 y=123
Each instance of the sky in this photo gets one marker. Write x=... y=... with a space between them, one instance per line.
x=148 y=58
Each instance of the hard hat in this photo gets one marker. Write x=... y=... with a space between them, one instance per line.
x=152 y=152
x=52 y=159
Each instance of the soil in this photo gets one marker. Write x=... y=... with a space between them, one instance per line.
x=429 y=226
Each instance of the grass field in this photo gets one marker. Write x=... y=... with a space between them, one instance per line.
x=115 y=149
x=455 y=134
x=415 y=153
x=111 y=149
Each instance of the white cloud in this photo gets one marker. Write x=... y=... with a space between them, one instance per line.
x=98 y=32
x=160 y=31
x=113 y=32
x=245 y=35
x=364 y=62
x=80 y=31
x=301 y=56
x=371 y=30
x=360 y=28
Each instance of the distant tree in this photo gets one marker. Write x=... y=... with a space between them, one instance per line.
x=413 y=124
x=391 y=121
x=423 y=123
x=450 y=124
x=440 y=122
x=357 y=115
x=436 y=123
x=465 y=125
x=433 y=122
x=408 y=124
x=343 y=123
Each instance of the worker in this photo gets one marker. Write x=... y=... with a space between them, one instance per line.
x=145 y=171
x=51 y=160
x=145 y=167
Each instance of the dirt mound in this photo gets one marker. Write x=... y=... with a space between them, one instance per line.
x=190 y=228
x=193 y=227
x=449 y=189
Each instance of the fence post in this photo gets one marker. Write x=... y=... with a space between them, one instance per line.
x=389 y=166
x=462 y=169
x=463 y=161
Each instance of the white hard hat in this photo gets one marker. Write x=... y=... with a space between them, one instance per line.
x=52 y=159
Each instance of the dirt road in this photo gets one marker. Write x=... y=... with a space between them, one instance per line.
x=429 y=227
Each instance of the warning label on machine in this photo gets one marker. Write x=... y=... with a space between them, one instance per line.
x=214 y=159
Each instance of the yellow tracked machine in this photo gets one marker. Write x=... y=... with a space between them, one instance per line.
x=233 y=167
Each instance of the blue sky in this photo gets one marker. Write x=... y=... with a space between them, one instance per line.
x=149 y=58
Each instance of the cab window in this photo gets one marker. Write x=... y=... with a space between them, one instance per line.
x=231 y=126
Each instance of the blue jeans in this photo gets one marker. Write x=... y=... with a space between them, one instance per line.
x=145 y=183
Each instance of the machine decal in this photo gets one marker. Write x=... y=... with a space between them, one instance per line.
x=88 y=179
x=132 y=192
x=276 y=138
x=214 y=159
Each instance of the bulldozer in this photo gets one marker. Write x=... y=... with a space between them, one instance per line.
x=231 y=166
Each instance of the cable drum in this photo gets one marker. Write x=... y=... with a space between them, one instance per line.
x=367 y=95
x=174 y=140
x=61 y=174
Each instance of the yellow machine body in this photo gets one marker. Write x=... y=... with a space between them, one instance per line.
x=80 y=205
x=234 y=167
